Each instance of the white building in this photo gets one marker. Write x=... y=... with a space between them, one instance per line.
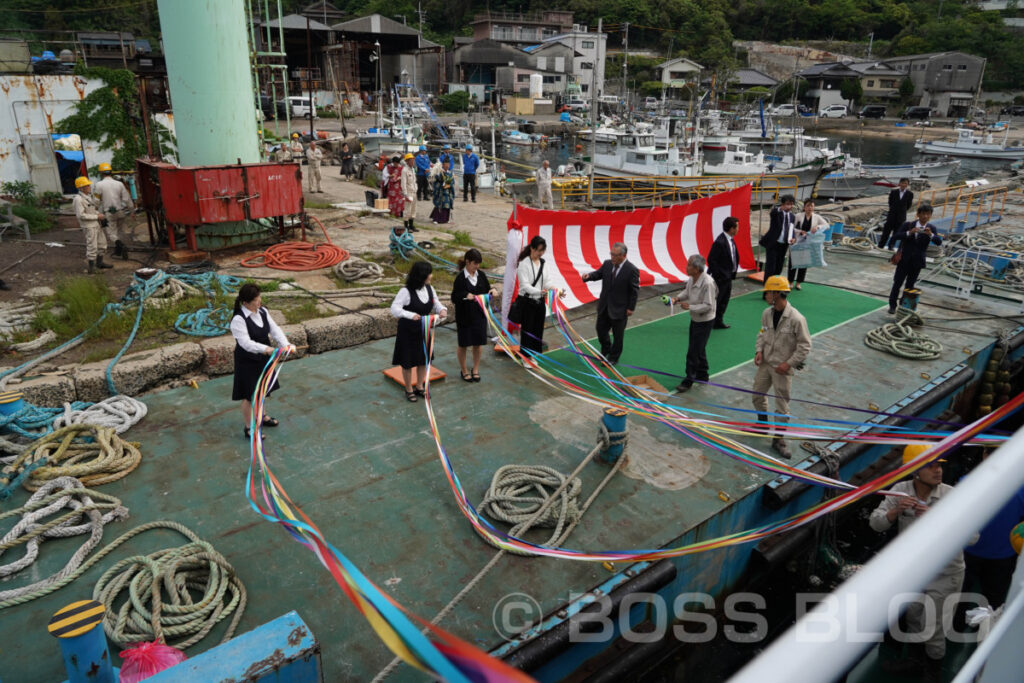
x=589 y=50
x=676 y=73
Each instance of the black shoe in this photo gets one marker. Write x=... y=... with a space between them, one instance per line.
x=248 y=434
x=3 y=285
x=892 y=310
x=92 y=267
x=101 y=264
x=684 y=386
x=721 y=326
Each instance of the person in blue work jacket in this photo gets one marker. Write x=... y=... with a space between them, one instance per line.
x=422 y=174
x=446 y=155
x=470 y=162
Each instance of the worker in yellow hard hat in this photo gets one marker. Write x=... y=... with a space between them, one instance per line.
x=116 y=202
x=928 y=616
x=89 y=215
x=296 y=148
x=409 y=191
x=782 y=346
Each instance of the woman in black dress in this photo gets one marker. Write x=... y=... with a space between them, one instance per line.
x=346 y=162
x=253 y=329
x=412 y=302
x=470 y=320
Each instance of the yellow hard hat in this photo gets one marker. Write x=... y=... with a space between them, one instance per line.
x=104 y=167
x=914 y=450
x=81 y=181
x=408 y=156
x=295 y=135
x=776 y=283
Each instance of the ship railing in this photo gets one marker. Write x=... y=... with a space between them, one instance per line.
x=973 y=205
x=667 y=190
x=829 y=639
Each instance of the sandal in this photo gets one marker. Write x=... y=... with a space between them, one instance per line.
x=269 y=421
x=419 y=391
x=797 y=286
x=410 y=396
x=248 y=434
x=466 y=377
x=476 y=376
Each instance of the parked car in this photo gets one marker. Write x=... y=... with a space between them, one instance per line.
x=1012 y=110
x=577 y=104
x=650 y=103
x=268 y=110
x=783 y=110
x=834 y=111
x=872 y=111
x=302 y=106
x=922 y=113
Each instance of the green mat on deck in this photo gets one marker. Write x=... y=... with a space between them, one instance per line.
x=661 y=344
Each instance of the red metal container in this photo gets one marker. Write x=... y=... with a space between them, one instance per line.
x=202 y=195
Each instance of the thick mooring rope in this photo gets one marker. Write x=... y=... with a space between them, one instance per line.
x=180 y=592
x=119 y=412
x=94 y=455
x=72 y=510
x=900 y=340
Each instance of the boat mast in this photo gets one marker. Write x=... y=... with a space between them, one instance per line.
x=593 y=114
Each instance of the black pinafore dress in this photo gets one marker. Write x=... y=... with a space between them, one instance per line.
x=409 y=351
x=249 y=366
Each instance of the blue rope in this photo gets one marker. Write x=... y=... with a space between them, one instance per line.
x=138 y=291
x=11 y=485
x=405 y=246
x=34 y=421
x=206 y=322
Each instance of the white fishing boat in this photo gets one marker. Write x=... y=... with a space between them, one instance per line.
x=969 y=144
x=626 y=154
x=516 y=137
x=848 y=183
x=935 y=172
x=391 y=139
x=739 y=160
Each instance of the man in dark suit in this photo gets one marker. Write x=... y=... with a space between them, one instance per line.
x=779 y=236
x=620 y=285
x=915 y=237
x=723 y=262
x=900 y=201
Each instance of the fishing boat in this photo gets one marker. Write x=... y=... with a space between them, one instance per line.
x=625 y=154
x=521 y=139
x=739 y=160
x=391 y=139
x=935 y=172
x=969 y=144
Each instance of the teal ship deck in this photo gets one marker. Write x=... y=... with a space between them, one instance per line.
x=361 y=462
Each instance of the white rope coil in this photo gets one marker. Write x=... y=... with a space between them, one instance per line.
x=72 y=510
x=355 y=269
x=36 y=344
x=120 y=412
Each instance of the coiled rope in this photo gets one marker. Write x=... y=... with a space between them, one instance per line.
x=61 y=508
x=94 y=455
x=118 y=412
x=160 y=588
x=405 y=246
x=299 y=256
x=898 y=339
x=32 y=421
x=206 y=322
x=149 y=614
x=356 y=269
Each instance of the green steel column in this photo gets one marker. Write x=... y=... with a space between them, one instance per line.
x=206 y=46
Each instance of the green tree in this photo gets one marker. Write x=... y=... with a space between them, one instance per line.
x=109 y=115
x=906 y=90
x=851 y=90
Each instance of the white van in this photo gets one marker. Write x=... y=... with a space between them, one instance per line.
x=302 y=106
x=834 y=111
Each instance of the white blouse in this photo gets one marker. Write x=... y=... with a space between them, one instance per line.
x=470 y=278
x=527 y=272
x=402 y=299
x=241 y=333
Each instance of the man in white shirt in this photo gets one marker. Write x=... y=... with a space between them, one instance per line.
x=296 y=148
x=544 y=186
x=698 y=297
x=314 y=156
x=116 y=202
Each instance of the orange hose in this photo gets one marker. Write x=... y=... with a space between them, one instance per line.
x=299 y=256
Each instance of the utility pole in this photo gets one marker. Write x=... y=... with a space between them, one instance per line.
x=871 y=41
x=309 y=78
x=593 y=114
